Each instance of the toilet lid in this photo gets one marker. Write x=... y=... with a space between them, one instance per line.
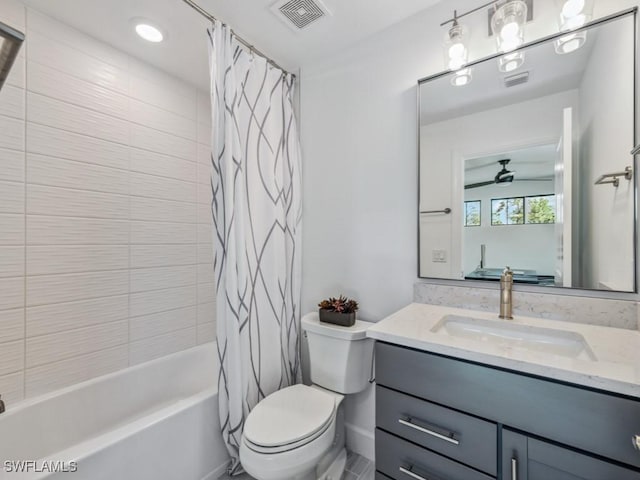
x=288 y=416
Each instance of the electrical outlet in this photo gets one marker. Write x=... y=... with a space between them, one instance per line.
x=439 y=256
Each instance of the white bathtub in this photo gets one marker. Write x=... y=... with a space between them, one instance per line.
x=155 y=421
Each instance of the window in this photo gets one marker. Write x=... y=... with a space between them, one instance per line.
x=472 y=213
x=507 y=211
x=540 y=209
x=523 y=210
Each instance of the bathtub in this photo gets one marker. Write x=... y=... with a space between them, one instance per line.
x=155 y=421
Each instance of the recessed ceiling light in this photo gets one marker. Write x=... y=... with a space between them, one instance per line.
x=147 y=30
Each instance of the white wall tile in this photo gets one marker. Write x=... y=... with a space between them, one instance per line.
x=205 y=197
x=11 y=357
x=46 y=230
x=206 y=312
x=162 y=345
x=205 y=234
x=12 y=197
x=206 y=292
x=204 y=156
x=160 y=323
x=204 y=173
x=147 y=279
x=12 y=293
x=59 y=346
x=163 y=120
x=161 y=142
x=12 y=388
x=58 y=31
x=146 y=256
x=11 y=261
x=18 y=74
x=53 y=83
x=156 y=210
x=59 y=317
x=163 y=97
x=204 y=107
x=161 y=300
x=52 y=259
x=206 y=332
x=204 y=134
x=205 y=273
x=160 y=187
x=12 y=165
x=52 y=376
x=163 y=233
x=166 y=82
x=12 y=101
x=12 y=324
x=54 y=113
x=145 y=161
x=56 y=172
x=11 y=229
x=205 y=254
x=12 y=133
x=52 y=53
x=43 y=200
x=59 y=143
x=70 y=287
x=12 y=13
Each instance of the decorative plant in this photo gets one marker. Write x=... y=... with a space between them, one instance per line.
x=341 y=304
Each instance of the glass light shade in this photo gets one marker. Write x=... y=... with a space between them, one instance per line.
x=573 y=14
x=510 y=62
x=570 y=42
x=456 y=52
x=507 y=25
x=461 y=78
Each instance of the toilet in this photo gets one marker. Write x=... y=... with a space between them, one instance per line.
x=297 y=433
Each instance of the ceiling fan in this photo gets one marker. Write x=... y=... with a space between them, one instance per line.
x=504 y=177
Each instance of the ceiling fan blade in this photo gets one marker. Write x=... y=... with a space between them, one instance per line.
x=535 y=179
x=480 y=184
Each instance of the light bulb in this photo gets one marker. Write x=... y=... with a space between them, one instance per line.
x=574 y=22
x=456 y=63
x=510 y=44
x=571 y=8
x=457 y=50
x=510 y=30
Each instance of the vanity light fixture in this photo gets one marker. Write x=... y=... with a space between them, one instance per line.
x=148 y=30
x=510 y=62
x=462 y=77
x=573 y=14
x=456 y=51
x=507 y=25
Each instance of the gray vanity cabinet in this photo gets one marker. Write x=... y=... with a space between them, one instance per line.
x=526 y=458
x=442 y=418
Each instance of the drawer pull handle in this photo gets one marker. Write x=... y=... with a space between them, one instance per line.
x=514 y=469
x=446 y=436
x=635 y=440
x=407 y=471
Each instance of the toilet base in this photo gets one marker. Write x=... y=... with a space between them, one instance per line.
x=336 y=469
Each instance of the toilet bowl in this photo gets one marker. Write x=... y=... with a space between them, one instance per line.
x=297 y=433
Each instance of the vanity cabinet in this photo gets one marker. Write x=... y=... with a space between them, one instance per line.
x=440 y=417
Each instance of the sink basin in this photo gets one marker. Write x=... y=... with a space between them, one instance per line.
x=503 y=333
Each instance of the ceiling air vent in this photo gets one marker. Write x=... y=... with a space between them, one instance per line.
x=517 y=79
x=298 y=14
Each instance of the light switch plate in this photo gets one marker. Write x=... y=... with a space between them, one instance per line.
x=439 y=256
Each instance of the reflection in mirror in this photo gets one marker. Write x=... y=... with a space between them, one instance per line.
x=516 y=157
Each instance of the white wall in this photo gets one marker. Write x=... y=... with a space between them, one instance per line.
x=105 y=239
x=359 y=122
x=529 y=247
x=443 y=148
x=606 y=138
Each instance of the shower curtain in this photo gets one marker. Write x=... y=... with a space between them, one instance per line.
x=256 y=207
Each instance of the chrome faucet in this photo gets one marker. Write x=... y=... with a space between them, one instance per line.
x=506 y=294
x=1 y=405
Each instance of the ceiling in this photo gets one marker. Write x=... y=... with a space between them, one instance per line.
x=184 y=53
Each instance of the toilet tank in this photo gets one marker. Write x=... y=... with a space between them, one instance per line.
x=340 y=357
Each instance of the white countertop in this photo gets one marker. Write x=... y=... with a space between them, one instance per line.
x=617 y=351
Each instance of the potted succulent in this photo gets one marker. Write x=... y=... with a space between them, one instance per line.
x=339 y=311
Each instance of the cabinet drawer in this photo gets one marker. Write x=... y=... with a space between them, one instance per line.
x=456 y=435
x=589 y=420
x=402 y=460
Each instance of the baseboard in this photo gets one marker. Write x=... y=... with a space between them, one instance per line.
x=360 y=441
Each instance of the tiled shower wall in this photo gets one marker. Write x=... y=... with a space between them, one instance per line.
x=105 y=238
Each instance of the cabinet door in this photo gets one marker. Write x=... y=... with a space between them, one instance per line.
x=526 y=458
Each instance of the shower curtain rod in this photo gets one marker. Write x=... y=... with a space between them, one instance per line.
x=207 y=15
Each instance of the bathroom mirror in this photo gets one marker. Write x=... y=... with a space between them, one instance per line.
x=532 y=168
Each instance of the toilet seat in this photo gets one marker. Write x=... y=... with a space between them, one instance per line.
x=288 y=419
